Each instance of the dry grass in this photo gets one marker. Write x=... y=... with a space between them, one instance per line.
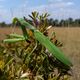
x=8 y=30
x=71 y=47
x=71 y=44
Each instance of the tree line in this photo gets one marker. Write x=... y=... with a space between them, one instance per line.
x=4 y=24
x=70 y=22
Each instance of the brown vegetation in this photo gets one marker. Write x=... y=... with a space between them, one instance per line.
x=70 y=37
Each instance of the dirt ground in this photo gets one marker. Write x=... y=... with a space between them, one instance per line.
x=70 y=37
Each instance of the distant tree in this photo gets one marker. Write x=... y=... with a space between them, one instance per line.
x=56 y=22
x=51 y=22
x=77 y=22
x=3 y=24
x=61 y=23
x=37 y=19
x=70 y=22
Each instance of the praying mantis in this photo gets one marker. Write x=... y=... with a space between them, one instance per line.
x=41 y=38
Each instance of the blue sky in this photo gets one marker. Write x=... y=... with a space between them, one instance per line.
x=56 y=8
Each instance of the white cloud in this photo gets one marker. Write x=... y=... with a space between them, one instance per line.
x=60 y=9
x=62 y=4
x=57 y=9
x=59 y=14
x=70 y=3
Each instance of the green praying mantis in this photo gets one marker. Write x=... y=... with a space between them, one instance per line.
x=42 y=39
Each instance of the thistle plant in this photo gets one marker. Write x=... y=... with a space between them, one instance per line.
x=32 y=56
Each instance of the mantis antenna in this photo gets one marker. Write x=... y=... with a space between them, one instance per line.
x=13 y=26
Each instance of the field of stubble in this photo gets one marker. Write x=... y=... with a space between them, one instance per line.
x=70 y=37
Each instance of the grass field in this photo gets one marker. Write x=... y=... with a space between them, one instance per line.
x=70 y=37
